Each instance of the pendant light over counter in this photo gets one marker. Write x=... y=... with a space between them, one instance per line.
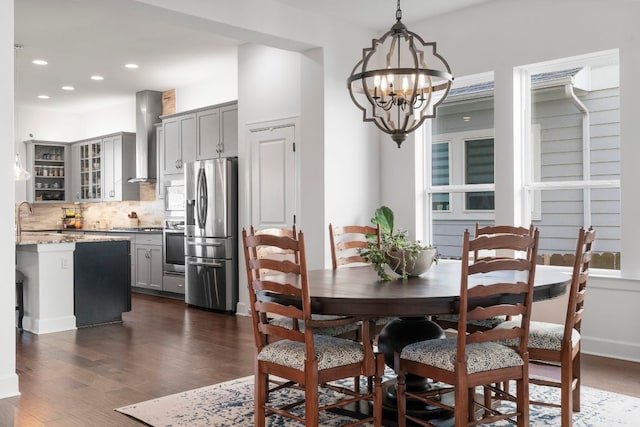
x=399 y=81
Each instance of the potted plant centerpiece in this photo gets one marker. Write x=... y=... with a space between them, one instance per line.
x=403 y=256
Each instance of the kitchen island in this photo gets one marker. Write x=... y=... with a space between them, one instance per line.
x=73 y=280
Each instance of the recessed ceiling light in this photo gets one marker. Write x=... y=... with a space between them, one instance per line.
x=96 y=77
x=466 y=118
x=68 y=88
x=131 y=66
x=43 y=96
x=39 y=62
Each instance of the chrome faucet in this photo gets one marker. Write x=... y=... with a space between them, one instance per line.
x=19 y=219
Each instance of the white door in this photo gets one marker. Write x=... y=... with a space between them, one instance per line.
x=273 y=177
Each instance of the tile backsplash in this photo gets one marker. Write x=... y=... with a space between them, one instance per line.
x=99 y=215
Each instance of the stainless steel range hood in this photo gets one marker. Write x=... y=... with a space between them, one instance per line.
x=148 y=111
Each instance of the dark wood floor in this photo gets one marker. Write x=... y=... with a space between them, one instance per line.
x=77 y=378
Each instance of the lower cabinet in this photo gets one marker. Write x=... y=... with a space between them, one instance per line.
x=148 y=260
x=173 y=283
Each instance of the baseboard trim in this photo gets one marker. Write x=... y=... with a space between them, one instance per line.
x=611 y=348
x=9 y=386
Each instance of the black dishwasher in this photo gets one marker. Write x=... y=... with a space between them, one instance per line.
x=102 y=281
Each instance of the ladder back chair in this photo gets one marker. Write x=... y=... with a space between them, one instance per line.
x=306 y=359
x=346 y=330
x=488 y=287
x=346 y=240
x=450 y=321
x=554 y=347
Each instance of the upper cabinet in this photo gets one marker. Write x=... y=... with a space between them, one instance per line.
x=86 y=157
x=48 y=163
x=160 y=161
x=179 y=142
x=102 y=167
x=217 y=132
x=119 y=166
x=205 y=133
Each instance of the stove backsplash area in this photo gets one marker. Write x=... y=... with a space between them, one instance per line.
x=100 y=215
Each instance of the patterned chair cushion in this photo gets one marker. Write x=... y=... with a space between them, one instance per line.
x=542 y=335
x=441 y=353
x=332 y=331
x=331 y=352
x=492 y=322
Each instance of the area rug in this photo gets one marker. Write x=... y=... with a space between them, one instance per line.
x=231 y=404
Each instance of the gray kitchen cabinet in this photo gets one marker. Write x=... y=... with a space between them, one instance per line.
x=119 y=161
x=86 y=157
x=101 y=168
x=48 y=164
x=179 y=142
x=159 y=172
x=173 y=283
x=229 y=131
x=148 y=259
x=217 y=132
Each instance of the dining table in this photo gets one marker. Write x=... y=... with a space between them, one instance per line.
x=359 y=292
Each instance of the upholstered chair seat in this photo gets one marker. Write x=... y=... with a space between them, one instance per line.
x=543 y=335
x=441 y=353
x=333 y=331
x=332 y=352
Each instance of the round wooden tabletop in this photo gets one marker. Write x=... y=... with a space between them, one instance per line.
x=357 y=291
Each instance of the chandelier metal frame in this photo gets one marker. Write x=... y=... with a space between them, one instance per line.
x=401 y=95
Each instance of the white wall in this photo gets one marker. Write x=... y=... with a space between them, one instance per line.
x=264 y=73
x=8 y=377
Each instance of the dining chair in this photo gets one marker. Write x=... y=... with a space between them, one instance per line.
x=488 y=287
x=304 y=358
x=346 y=240
x=351 y=330
x=556 y=347
x=450 y=321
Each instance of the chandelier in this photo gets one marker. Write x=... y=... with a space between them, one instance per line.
x=399 y=81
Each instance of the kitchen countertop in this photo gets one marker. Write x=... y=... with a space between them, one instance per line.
x=39 y=238
x=141 y=229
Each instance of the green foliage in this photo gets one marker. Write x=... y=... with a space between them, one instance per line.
x=396 y=248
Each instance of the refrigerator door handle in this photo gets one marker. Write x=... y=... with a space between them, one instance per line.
x=204 y=264
x=202 y=198
x=214 y=244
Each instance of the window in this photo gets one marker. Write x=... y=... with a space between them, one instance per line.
x=573 y=168
x=569 y=164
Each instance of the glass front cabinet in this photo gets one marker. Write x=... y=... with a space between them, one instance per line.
x=87 y=180
x=48 y=163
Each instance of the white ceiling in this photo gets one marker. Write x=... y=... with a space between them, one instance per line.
x=83 y=37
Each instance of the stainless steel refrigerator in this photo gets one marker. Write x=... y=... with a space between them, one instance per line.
x=211 y=241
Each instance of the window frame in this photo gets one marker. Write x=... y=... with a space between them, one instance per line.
x=457 y=206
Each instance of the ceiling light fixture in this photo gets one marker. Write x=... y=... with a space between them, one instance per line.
x=43 y=96
x=39 y=62
x=131 y=66
x=68 y=88
x=97 y=78
x=396 y=84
